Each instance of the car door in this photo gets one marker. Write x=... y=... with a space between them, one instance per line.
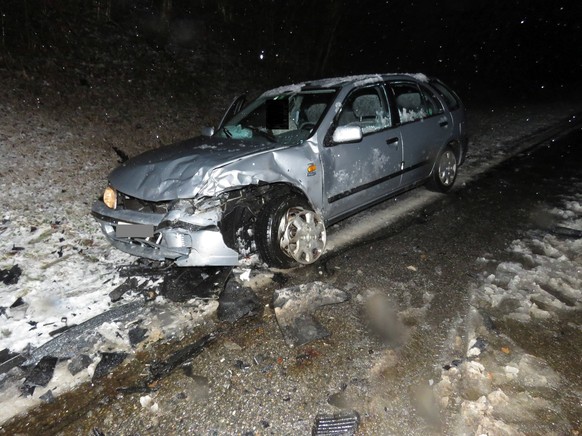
x=424 y=125
x=362 y=171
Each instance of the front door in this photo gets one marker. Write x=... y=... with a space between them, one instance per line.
x=359 y=173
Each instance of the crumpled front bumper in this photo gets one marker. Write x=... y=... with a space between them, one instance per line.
x=188 y=240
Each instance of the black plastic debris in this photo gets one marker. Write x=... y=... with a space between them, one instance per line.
x=453 y=364
x=9 y=360
x=10 y=276
x=239 y=364
x=107 y=363
x=140 y=389
x=567 y=232
x=337 y=424
x=144 y=268
x=18 y=302
x=60 y=330
x=136 y=335
x=40 y=375
x=47 y=397
x=480 y=344
x=15 y=248
x=117 y=293
x=488 y=321
x=158 y=370
x=79 y=363
x=183 y=284
x=294 y=309
x=82 y=337
x=236 y=302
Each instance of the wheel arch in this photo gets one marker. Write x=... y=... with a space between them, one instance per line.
x=457 y=149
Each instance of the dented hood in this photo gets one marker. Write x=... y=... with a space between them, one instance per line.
x=179 y=170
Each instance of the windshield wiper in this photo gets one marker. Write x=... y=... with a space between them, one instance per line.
x=226 y=132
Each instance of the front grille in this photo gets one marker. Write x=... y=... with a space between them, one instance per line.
x=131 y=203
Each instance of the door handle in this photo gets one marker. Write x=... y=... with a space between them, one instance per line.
x=443 y=123
x=393 y=141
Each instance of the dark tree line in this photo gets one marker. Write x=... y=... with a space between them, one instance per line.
x=273 y=34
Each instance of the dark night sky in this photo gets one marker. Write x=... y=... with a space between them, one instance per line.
x=520 y=45
x=506 y=43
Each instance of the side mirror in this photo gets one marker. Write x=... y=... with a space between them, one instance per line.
x=345 y=134
x=208 y=131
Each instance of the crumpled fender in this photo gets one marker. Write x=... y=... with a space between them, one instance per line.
x=298 y=166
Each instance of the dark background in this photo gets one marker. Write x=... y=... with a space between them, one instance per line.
x=529 y=49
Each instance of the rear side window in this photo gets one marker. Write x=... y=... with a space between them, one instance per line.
x=413 y=103
x=450 y=98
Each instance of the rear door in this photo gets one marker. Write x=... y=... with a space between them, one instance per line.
x=424 y=125
x=358 y=173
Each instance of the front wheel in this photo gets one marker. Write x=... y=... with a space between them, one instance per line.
x=445 y=171
x=288 y=231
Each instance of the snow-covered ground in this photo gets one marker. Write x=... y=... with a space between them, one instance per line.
x=58 y=270
x=536 y=296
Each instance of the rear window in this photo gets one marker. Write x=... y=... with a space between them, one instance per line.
x=450 y=98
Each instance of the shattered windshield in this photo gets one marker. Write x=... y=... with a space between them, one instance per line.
x=286 y=118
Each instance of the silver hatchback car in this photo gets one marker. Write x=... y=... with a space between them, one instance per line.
x=278 y=171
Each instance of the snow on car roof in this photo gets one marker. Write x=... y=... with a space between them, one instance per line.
x=358 y=80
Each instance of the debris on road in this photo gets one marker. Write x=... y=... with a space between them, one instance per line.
x=9 y=360
x=136 y=335
x=117 y=293
x=107 y=363
x=236 y=302
x=160 y=369
x=183 y=284
x=10 y=276
x=294 y=307
x=82 y=337
x=40 y=375
x=337 y=424
x=79 y=363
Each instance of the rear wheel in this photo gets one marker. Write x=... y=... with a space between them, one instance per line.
x=288 y=232
x=445 y=171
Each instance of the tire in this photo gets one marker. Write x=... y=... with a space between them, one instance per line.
x=288 y=232
x=445 y=171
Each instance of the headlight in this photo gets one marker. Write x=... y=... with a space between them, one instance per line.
x=110 y=197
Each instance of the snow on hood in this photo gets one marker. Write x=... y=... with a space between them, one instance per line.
x=178 y=170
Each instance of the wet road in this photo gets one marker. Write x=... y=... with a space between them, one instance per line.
x=410 y=287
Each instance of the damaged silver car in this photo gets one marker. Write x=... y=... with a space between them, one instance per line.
x=278 y=171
